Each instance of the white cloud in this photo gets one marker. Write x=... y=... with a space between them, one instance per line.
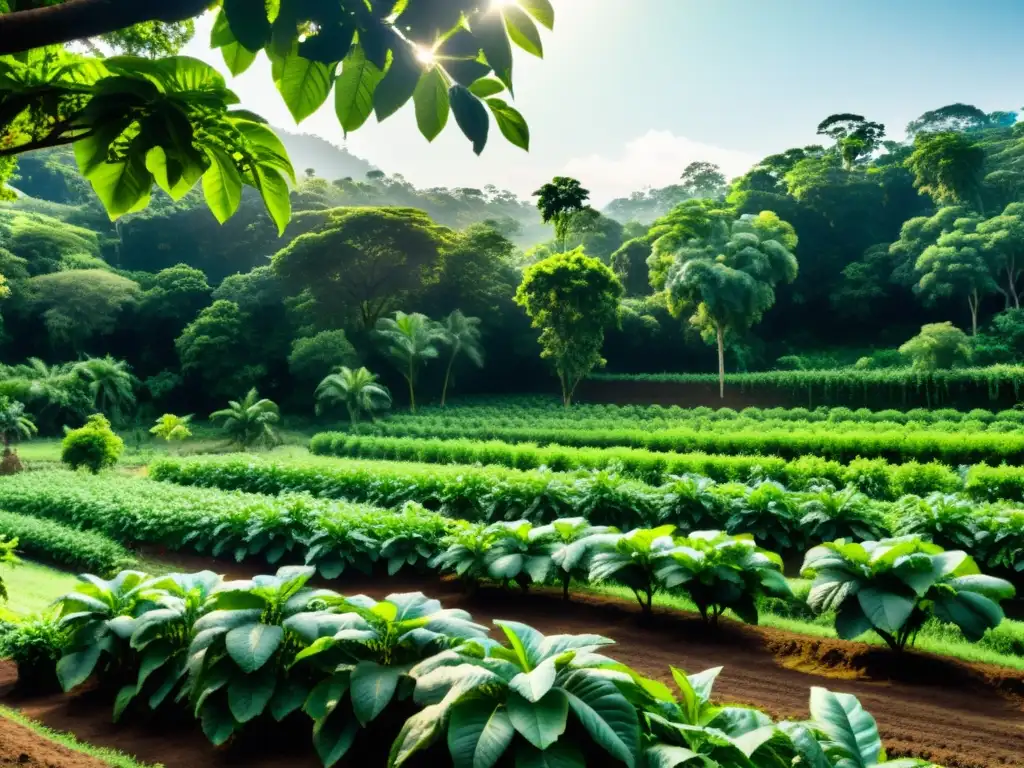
x=655 y=159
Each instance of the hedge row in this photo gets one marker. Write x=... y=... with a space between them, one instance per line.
x=893 y=445
x=876 y=477
x=781 y=520
x=331 y=535
x=51 y=542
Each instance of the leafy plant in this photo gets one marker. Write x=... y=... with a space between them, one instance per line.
x=365 y=664
x=769 y=513
x=410 y=341
x=172 y=428
x=14 y=426
x=894 y=585
x=462 y=335
x=572 y=539
x=357 y=390
x=93 y=445
x=249 y=421
x=946 y=519
x=110 y=383
x=722 y=572
x=34 y=644
x=846 y=513
x=633 y=559
x=7 y=557
x=493 y=700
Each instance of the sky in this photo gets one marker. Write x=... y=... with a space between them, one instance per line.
x=631 y=91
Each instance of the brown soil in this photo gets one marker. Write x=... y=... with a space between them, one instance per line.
x=957 y=714
x=24 y=747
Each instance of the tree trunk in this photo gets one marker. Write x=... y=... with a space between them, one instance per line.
x=353 y=415
x=1011 y=281
x=972 y=301
x=447 y=376
x=412 y=391
x=721 y=361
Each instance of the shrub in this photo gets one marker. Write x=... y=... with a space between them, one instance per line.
x=65 y=547
x=34 y=645
x=93 y=446
x=938 y=345
x=893 y=586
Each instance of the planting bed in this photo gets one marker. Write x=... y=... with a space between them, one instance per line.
x=958 y=715
x=23 y=747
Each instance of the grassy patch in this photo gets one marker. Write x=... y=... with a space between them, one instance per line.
x=109 y=756
x=32 y=587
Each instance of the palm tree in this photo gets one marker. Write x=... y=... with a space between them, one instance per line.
x=462 y=334
x=111 y=384
x=411 y=341
x=14 y=424
x=249 y=421
x=357 y=389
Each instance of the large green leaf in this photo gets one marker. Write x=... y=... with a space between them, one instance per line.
x=512 y=124
x=237 y=57
x=989 y=586
x=541 y=10
x=486 y=86
x=887 y=611
x=304 y=85
x=522 y=30
x=218 y=724
x=489 y=30
x=333 y=738
x=276 y=197
x=248 y=695
x=606 y=714
x=222 y=185
x=325 y=696
x=175 y=176
x=398 y=84
x=478 y=734
x=540 y=723
x=248 y=22
x=353 y=90
x=372 y=688
x=73 y=669
x=851 y=622
x=471 y=115
x=534 y=685
x=431 y=100
x=556 y=756
x=807 y=746
x=668 y=756
x=123 y=187
x=252 y=645
x=419 y=732
x=842 y=718
x=973 y=613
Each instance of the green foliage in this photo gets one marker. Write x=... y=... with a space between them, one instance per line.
x=110 y=383
x=630 y=265
x=314 y=357
x=893 y=586
x=93 y=445
x=356 y=389
x=948 y=166
x=411 y=342
x=938 y=345
x=559 y=201
x=7 y=557
x=249 y=421
x=15 y=425
x=572 y=298
x=34 y=645
x=462 y=335
x=77 y=305
x=172 y=428
x=64 y=546
x=219 y=349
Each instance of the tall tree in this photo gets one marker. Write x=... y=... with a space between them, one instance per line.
x=360 y=263
x=219 y=350
x=572 y=298
x=703 y=179
x=410 y=341
x=728 y=280
x=630 y=266
x=949 y=167
x=558 y=202
x=77 y=305
x=957 y=266
x=357 y=389
x=855 y=136
x=1003 y=239
x=126 y=116
x=462 y=336
x=957 y=118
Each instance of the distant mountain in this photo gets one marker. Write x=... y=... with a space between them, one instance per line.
x=328 y=160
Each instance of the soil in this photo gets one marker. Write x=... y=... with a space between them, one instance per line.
x=24 y=747
x=956 y=714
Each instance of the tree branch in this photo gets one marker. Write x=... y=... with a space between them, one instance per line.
x=76 y=19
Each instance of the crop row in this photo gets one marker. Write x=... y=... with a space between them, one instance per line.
x=332 y=535
x=403 y=681
x=51 y=542
x=894 y=445
x=875 y=477
x=782 y=520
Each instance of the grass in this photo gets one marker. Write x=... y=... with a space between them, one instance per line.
x=32 y=587
x=109 y=756
x=1003 y=646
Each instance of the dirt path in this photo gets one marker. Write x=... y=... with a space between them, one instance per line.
x=23 y=747
x=958 y=715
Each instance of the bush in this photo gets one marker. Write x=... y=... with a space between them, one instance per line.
x=34 y=645
x=938 y=345
x=94 y=446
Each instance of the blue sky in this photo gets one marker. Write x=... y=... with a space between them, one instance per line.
x=630 y=91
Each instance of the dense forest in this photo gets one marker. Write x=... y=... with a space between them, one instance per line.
x=819 y=256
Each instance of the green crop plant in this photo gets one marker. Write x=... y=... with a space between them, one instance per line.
x=366 y=663
x=945 y=519
x=50 y=542
x=569 y=557
x=34 y=644
x=722 y=572
x=847 y=513
x=633 y=560
x=893 y=586
x=493 y=700
x=770 y=514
